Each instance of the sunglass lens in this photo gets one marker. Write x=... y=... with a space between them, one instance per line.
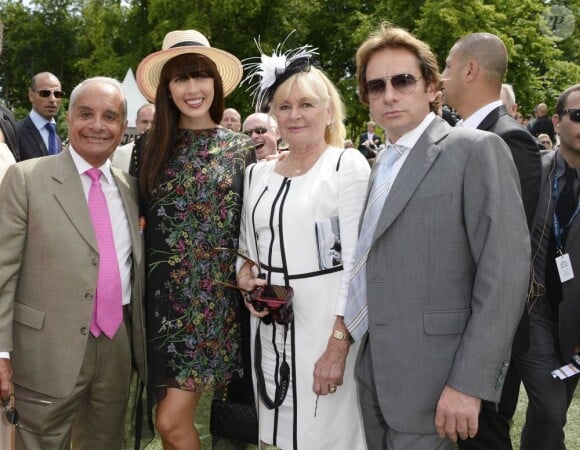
x=574 y=115
x=46 y=93
x=375 y=88
x=257 y=130
x=404 y=82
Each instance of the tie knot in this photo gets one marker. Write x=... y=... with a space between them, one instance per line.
x=392 y=153
x=94 y=174
x=50 y=127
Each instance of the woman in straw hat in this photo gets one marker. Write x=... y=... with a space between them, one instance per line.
x=191 y=178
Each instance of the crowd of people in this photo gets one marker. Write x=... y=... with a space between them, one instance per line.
x=394 y=307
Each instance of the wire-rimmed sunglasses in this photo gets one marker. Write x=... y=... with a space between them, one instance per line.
x=46 y=93
x=405 y=83
x=10 y=411
x=257 y=130
x=574 y=114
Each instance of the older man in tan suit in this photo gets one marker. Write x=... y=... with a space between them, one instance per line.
x=71 y=312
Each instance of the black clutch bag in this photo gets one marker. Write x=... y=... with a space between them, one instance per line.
x=234 y=420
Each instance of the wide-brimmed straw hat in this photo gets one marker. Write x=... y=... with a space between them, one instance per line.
x=178 y=43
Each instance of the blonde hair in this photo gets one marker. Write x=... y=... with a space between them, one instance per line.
x=316 y=84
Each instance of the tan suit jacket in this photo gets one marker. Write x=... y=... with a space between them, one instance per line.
x=48 y=272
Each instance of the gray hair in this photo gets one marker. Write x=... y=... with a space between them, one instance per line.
x=106 y=80
x=509 y=91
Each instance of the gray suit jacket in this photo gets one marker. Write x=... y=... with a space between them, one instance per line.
x=447 y=275
x=48 y=272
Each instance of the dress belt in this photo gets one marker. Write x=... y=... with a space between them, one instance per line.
x=302 y=275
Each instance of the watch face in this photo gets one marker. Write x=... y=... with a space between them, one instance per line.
x=339 y=335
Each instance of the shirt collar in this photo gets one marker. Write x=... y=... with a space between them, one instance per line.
x=82 y=166
x=39 y=121
x=477 y=117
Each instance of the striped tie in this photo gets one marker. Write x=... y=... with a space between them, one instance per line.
x=356 y=315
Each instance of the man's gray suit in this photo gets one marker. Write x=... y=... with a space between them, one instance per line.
x=446 y=276
x=48 y=272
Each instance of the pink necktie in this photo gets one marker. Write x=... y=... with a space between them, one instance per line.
x=108 y=312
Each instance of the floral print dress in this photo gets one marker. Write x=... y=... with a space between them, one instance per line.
x=193 y=330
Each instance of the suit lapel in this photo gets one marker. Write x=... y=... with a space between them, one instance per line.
x=421 y=158
x=70 y=195
x=489 y=121
x=33 y=131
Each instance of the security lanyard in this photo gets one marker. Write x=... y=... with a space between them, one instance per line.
x=558 y=231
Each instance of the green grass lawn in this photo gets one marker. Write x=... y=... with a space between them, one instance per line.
x=572 y=429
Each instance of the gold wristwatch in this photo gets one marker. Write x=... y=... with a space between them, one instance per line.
x=341 y=336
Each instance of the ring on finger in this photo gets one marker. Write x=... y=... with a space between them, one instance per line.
x=332 y=389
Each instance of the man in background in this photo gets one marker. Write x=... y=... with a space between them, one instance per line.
x=37 y=135
x=369 y=141
x=543 y=123
x=554 y=306
x=508 y=98
x=122 y=156
x=472 y=82
x=231 y=119
x=263 y=130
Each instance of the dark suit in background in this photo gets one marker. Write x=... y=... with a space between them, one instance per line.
x=8 y=127
x=30 y=141
x=369 y=147
x=474 y=70
x=494 y=420
x=554 y=328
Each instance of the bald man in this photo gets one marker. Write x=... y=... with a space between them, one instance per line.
x=472 y=82
x=231 y=119
x=543 y=123
x=263 y=130
x=35 y=135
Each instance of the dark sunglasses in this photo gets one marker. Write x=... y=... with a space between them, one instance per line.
x=405 y=83
x=574 y=114
x=11 y=413
x=257 y=130
x=46 y=93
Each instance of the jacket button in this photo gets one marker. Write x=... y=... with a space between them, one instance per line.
x=84 y=331
x=88 y=296
x=95 y=260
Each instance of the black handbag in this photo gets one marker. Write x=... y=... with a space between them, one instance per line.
x=234 y=420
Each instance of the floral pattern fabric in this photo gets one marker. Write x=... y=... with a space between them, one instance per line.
x=192 y=319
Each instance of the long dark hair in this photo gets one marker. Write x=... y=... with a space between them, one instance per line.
x=162 y=138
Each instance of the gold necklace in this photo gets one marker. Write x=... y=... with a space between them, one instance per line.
x=296 y=169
